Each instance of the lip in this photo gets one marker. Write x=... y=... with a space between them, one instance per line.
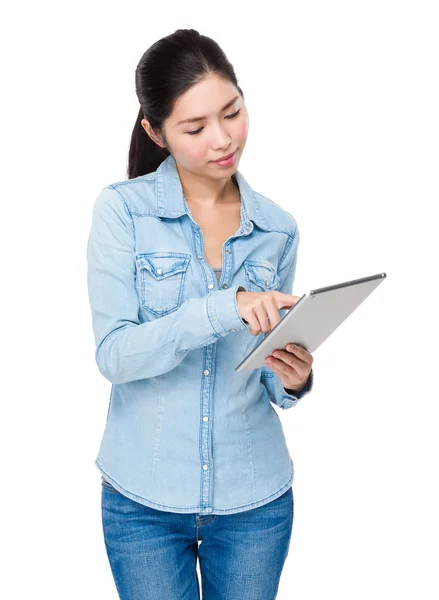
x=224 y=157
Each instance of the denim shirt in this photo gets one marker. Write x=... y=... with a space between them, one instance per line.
x=184 y=431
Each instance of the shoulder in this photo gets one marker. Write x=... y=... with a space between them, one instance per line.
x=276 y=217
x=136 y=196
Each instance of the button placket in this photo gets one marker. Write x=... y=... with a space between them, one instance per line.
x=205 y=433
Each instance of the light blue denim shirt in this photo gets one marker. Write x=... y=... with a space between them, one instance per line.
x=185 y=432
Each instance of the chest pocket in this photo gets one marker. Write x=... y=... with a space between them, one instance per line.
x=162 y=276
x=260 y=276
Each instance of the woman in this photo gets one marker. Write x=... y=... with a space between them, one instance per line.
x=187 y=268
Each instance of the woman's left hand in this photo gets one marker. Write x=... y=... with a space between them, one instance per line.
x=292 y=365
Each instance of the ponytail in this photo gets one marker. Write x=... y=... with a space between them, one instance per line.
x=144 y=154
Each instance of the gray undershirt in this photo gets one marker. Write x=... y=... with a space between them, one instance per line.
x=218 y=273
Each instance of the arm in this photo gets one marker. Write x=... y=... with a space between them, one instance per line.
x=277 y=394
x=126 y=349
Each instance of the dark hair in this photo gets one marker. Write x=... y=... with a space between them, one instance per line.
x=167 y=70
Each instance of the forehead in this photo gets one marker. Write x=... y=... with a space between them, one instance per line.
x=205 y=98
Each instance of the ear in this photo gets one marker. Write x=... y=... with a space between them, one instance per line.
x=150 y=131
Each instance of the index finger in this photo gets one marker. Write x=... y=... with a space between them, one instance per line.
x=287 y=300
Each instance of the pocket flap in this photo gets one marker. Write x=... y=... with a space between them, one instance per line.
x=163 y=264
x=262 y=274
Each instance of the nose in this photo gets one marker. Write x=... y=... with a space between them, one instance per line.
x=221 y=139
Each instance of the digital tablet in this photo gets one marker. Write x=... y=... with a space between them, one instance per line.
x=313 y=318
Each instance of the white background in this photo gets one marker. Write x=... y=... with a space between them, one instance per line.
x=343 y=104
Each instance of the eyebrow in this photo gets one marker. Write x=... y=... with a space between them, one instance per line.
x=192 y=119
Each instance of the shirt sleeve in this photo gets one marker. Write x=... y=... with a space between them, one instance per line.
x=277 y=394
x=126 y=349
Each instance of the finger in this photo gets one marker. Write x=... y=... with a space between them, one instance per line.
x=253 y=321
x=301 y=353
x=286 y=357
x=296 y=371
x=284 y=368
x=287 y=300
x=267 y=313
x=261 y=314
x=272 y=311
x=287 y=362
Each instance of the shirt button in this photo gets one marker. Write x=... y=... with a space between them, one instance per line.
x=159 y=271
x=199 y=256
x=206 y=371
x=232 y=329
x=225 y=286
x=210 y=286
x=229 y=251
x=205 y=419
x=205 y=467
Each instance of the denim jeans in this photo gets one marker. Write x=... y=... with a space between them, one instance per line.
x=153 y=553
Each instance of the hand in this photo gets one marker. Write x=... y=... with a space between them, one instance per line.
x=292 y=365
x=261 y=309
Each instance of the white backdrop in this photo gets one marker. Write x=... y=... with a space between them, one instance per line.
x=343 y=104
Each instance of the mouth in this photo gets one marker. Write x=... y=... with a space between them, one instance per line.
x=223 y=158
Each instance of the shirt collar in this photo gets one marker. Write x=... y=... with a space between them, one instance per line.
x=172 y=204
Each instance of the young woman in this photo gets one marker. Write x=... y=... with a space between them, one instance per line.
x=188 y=267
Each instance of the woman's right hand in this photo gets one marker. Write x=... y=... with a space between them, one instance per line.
x=260 y=309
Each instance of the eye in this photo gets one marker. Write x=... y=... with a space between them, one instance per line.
x=201 y=128
x=234 y=115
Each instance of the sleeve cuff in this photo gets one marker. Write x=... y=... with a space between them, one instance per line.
x=223 y=312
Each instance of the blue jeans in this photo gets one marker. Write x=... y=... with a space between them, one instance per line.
x=153 y=553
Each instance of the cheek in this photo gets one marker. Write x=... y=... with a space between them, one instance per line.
x=197 y=151
x=196 y=147
x=241 y=130
x=191 y=152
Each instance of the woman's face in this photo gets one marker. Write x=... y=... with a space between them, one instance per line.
x=221 y=131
